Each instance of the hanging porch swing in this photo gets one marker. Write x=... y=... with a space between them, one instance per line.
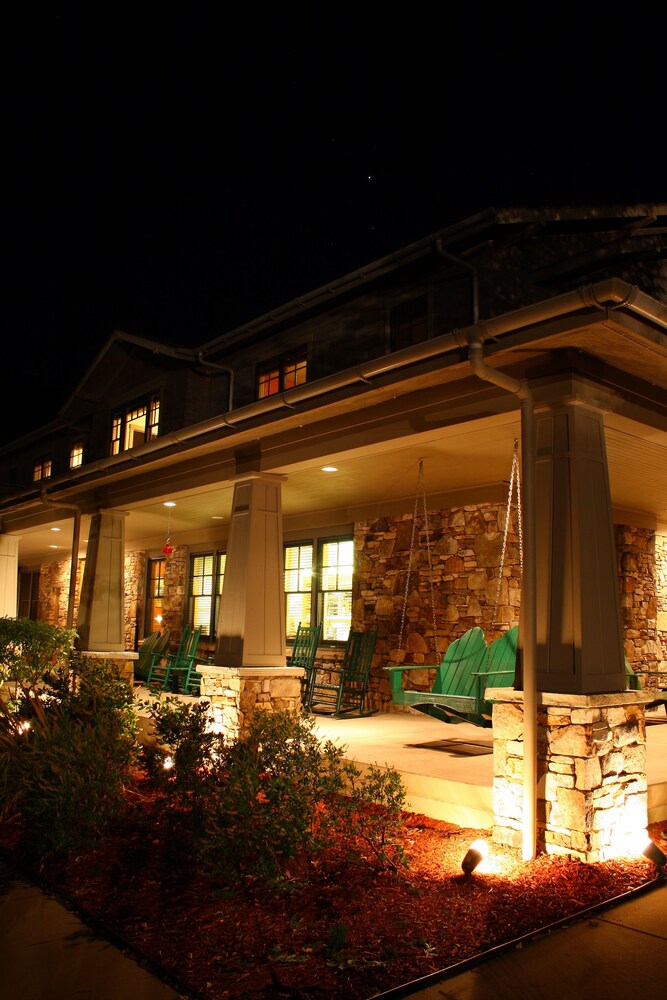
x=469 y=665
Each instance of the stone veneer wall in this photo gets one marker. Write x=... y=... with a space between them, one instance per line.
x=641 y=572
x=591 y=768
x=135 y=597
x=466 y=543
x=466 y=546
x=54 y=579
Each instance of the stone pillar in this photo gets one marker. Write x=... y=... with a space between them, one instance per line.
x=251 y=630
x=236 y=694
x=579 y=643
x=9 y=569
x=592 y=788
x=100 y=623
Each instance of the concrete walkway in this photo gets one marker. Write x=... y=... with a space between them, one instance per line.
x=47 y=953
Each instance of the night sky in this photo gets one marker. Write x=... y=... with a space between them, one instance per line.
x=175 y=176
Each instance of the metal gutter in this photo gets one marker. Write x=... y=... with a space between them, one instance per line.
x=602 y=295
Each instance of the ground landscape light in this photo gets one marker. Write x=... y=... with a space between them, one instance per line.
x=654 y=854
x=474 y=855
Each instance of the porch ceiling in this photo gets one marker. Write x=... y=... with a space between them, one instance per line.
x=463 y=463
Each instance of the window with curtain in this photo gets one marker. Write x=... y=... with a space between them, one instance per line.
x=207 y=574
x=318 y=586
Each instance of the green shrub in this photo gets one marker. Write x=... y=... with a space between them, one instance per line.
x=31 y=654
x=182 y=735
x=67 y=755
x=275 y=793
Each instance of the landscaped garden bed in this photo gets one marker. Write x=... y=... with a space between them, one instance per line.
x=264 y=867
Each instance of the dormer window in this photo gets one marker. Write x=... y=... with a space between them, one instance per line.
x=76 y=455
x=135 y=424
x=42 y=469
x=282 y=373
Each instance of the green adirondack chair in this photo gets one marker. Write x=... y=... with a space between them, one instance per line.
x=181 y=665
x=343 y=689
x=153 y=648
x=162 y=673
x=304 y=650
x=468 y=667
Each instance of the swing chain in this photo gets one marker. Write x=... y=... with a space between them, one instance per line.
x=514 y=478
x=421 y=493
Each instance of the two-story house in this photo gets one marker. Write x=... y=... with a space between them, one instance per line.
x=269 y=476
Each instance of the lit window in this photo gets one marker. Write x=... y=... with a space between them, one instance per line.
x=281 y=373
x=155 y=600
x=41 y=469
x=135 y=425
x=207 y=574
x=298 y=586
x=319 y=590
x=335 y=588
x=409 y=323
x=76 y=455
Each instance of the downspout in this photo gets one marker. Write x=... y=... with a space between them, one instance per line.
x=76 y=532
x=528 y=600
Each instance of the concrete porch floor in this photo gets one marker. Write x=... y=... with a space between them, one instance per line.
x=448 y=770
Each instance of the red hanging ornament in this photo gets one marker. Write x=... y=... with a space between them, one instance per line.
x=168 y=548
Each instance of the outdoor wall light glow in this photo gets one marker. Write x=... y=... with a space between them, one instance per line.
x=474 y=856
x=654 y=854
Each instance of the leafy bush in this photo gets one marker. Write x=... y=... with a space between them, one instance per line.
x=31 y=652
x=182 y=729
x=67 y=745
x=275 y=793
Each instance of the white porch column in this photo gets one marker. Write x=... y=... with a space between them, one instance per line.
x=9 y=568
x=251 y=630
x=100 y=622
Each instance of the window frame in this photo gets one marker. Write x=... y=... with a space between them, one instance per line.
x=219 y=560
x=317 y=591
x=124 y=417
x=45 y=467
x=150 y=623
x=279 y=368
x=76 y=451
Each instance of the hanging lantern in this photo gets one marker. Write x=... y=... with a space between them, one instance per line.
x=168 y=548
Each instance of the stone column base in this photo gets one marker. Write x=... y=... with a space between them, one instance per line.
x=236 y=693
x=591 y=771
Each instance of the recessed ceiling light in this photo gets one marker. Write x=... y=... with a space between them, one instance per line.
x=53 y=546
x=217 y=517
x=55 y=529
x=169 y=503
x=329 y=468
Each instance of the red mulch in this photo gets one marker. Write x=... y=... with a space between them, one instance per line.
x=330 y=929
